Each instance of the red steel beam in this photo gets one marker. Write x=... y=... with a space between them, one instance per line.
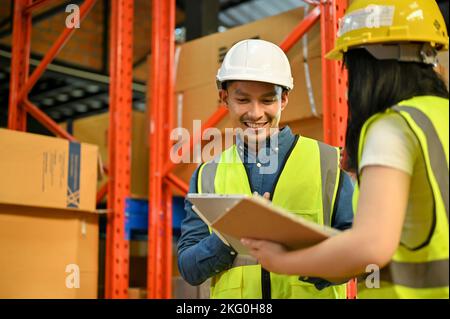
x=301 y=29
x=101 y=193
x=334 y=88
x=352 y=289
x=46 y=121
x=167 y=236
x=177 y=182
x=19 y=64
x=37 y=5
x=169 y=90
x=54 y=50
x=119 y=148
x=212 y=121
x=155 y=163
x=334 y=77
x=162 y=88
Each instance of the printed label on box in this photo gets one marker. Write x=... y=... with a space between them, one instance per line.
x=73 y=180
x=52 y=171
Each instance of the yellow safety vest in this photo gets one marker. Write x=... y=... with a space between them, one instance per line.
x=307 y=186
x=422 y=272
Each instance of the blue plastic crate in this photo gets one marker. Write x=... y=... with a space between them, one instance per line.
x=136 y=217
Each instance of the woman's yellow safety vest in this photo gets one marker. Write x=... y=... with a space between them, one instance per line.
x=307 y=186
x=421 y=272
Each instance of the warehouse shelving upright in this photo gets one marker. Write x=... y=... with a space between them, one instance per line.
x=161 y=88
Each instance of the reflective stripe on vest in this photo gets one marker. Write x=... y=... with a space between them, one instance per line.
x=328 y=158
x=300 y=190
x=436 y=152
x=421 y=272
x=432 y=274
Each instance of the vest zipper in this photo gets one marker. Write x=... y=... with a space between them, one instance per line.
x=265 y=275
x=266 y=284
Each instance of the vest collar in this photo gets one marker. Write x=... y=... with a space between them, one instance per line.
x=283 y=140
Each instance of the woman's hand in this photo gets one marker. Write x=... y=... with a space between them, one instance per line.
x=269 y=254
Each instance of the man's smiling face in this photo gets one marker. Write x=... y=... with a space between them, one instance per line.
x=254 y=106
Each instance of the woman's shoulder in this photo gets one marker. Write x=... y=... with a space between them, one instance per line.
x=390 y=142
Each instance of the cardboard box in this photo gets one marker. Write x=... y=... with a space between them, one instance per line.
x=200 y=59
x=137 y=293
x=46 y=171
x=94 y=130
x=201 y=102
x=44 y=252
x=182 y=290
x=442 y=68
x=310 y=127
x=48 y=224
x=196 y=68
x=138 y=256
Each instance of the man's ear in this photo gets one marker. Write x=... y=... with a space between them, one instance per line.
x=284 y=99
x=223 y=96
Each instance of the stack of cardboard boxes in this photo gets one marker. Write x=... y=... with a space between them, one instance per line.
x=94 y=130
x=48 y=222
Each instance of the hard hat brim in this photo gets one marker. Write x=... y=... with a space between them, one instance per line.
x=335 y=54
x=248 y=77
x=338 y=52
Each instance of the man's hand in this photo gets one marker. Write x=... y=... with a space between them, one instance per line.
x=266 y=195
x=268 y=254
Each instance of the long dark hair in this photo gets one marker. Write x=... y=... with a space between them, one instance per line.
x=375 y=85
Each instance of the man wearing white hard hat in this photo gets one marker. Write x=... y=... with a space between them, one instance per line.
x=302 y=175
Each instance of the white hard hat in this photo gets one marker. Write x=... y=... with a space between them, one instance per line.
x=256 y=60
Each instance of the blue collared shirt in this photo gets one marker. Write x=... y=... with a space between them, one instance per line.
x=202 y=255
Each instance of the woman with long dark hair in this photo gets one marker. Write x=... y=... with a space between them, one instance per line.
x=397 y=144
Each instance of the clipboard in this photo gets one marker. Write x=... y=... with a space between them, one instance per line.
x=233 y=217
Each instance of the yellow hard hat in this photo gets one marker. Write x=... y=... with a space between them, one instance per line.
x=369 y=22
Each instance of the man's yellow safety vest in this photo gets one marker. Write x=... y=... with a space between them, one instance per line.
x=421 y=272
x=307 y=186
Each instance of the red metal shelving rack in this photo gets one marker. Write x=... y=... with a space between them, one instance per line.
x=160 y=112
x=119 y=140
x=119 y=147
x=160 y=120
